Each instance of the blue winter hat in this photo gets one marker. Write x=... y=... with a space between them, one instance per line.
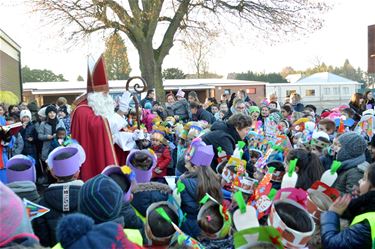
x=148 y=105
x=79 y=231
x=101 y=199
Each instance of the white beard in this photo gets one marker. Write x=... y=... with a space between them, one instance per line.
x=102 y=104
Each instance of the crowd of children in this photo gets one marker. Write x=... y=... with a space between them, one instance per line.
x=213 y=175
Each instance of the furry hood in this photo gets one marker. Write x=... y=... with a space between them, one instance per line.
x=152 y=186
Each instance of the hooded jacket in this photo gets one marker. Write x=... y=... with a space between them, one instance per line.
x=144 y=194
x=222 y=135
x=181 y=108
x=53 y=198
x=25 y=189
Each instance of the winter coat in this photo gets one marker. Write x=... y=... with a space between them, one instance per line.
x=190 y=206
x=53 y=198
x=144 y=194
x=222 y=135
x=18 y=145
x=45 y=129
x=299 y=107
x=66 y=122
x=145 y=100
x=164 y=158
x=181 y=108
x=29 y=147
x=226 y=243
x=131 y=220
x=25 y=189
x=354 y=236
x=349 y=174
x=203 y=114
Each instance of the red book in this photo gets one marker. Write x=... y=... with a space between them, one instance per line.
x=12 y=129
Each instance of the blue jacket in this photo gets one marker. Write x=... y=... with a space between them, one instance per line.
x=355 y=236
x=190 y=206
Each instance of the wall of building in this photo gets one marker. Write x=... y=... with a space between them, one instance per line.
x=256 y=92
x=322 y=95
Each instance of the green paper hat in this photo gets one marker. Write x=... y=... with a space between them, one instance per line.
x=256 y=235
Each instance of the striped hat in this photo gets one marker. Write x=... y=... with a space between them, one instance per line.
x=101 y=199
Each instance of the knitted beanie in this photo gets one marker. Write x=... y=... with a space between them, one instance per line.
x=14 y=222
x=25 y=113
x=79 y=231
x=352 y=145
x=51 y=108
x=63 y=109
x=100 y=198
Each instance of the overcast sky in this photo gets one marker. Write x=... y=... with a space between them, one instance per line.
x=344 y=35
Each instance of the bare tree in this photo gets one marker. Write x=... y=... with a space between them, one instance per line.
x=145 y=21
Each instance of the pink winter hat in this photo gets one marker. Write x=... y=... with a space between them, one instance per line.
x=14 y=222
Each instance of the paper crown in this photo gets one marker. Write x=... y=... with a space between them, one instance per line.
x=72 y=157
x=294 y=236
x=279 y=172
x=208 y=201
x=180 y=93
x=96 y=77
x=20 y=168
x=200 y=154
x=126 y=174
x=157 y=206
x=245 y=216
x=317 y=202
x=258 y=236
x=142 y=175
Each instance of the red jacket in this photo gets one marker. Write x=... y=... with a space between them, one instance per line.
x=164 y=158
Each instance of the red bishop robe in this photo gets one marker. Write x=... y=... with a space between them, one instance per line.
x=94 y=135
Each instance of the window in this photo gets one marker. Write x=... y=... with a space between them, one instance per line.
x=346 y=90
x=327 y=91
x=289 y=92
x=251 y=90
x=310 y=92
x=335 y=91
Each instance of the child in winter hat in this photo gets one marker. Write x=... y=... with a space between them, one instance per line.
x=15 y=227
x=101 y=199
x=76 y=231
x=21 y=177
x=351 y=153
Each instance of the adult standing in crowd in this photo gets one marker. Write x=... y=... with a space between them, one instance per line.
x=170 y=100
x=193 y=97
x=369 y=100
x=227 y=134
x=239 y=106
x=89 y=124
x=357 y=104
x=199 y=113
x=295 y=101
x=180 y=108
x=243 y=95
x=150 y=97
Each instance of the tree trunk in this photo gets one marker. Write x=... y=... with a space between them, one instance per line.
x=158 y=82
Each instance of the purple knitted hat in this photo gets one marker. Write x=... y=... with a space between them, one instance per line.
x=14 y=222
x=20 y=168
x=142 y=174
x=66 y=161
x=122 y=176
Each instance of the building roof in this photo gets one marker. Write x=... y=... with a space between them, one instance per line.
x=325 y=77
x=119 y=85
x=9 y=40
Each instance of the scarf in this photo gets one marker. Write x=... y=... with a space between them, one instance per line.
x=53 y=123
x=351 y=163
